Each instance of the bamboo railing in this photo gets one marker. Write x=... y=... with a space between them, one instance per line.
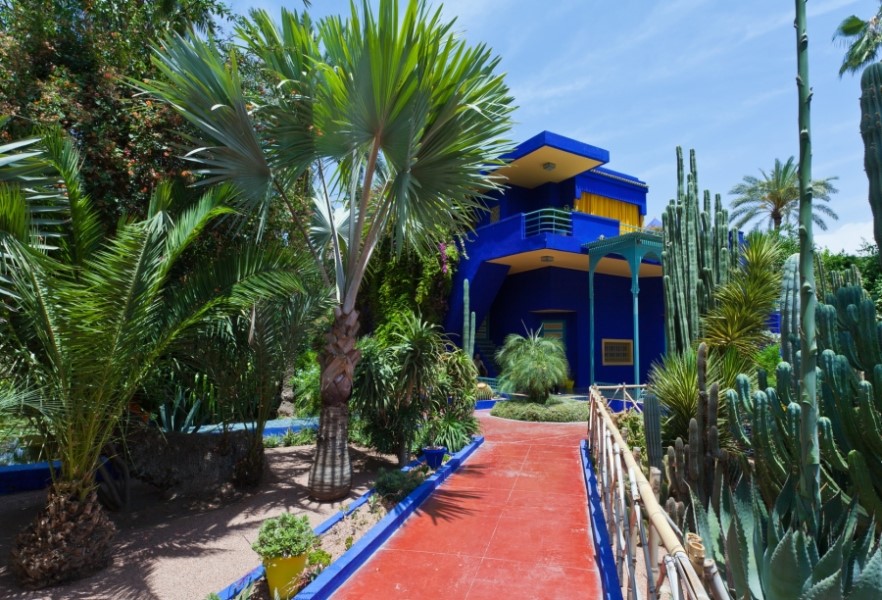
x=632 y=511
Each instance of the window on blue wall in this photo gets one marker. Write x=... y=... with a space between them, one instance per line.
x=555 y=329
x=618 y=353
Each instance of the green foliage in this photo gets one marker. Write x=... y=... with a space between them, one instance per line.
x=450 y=430
x=303 y=437
x=306 y=384
x=566 y=412
x=407 y=281
x=272 y=441
x=532 y=365
x=283 y=536
x=863 y=38
x=96 y=316
x=63 y=62
x=767 y=359
x=630 y=425
x=319 y=558
x=394 y=486
x=743 y=304
x=407 y=379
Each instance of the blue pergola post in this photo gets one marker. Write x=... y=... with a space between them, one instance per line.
x=634 y=263
x=633 y=247
x=592 y=264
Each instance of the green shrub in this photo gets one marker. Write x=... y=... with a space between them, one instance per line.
x=304 y=437
x=306 y=385
x=566 y=412
x=285 y=535
x=630 y=424
x=272 y=441
x=395 y=485
x=532 y=365
x=319 y=558
x=768 y=359
x=451 y=431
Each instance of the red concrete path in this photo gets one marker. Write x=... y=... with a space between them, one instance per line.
x=511 y=523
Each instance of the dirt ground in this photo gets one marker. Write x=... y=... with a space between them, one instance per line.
x=173 y=550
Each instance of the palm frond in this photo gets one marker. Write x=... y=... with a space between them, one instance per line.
x=208 y=93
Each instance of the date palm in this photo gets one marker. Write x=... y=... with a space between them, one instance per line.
x=405 y=114
x=863 y=38
x=93 y=316
x=775 y=197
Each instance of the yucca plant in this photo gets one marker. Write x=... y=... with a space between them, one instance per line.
x=407 y=114
x=532 y=365
x=95 y=316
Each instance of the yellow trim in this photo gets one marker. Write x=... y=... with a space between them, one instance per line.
x=628 y=215
x=627 y=345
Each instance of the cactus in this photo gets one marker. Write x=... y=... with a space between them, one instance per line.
x=468 y=322
x=789 y=302
x=652 y=430
x=699 y=253
x=871 y=132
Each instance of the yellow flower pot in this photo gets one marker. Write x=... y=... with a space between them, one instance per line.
x=282 y=573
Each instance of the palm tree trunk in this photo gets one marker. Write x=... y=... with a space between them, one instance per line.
x=331 y=475
x=70 y=538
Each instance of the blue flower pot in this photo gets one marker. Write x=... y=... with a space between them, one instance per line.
x=434 y=456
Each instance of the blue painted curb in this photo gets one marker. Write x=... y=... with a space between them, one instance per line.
x=606 y=562
x=360 y=552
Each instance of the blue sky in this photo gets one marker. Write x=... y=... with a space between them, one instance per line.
x=640 y=77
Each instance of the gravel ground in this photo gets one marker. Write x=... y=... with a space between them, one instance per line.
x=172 y=550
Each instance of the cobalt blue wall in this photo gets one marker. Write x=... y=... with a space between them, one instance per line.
x=566 y=291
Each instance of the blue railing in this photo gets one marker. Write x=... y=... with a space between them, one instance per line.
x=548 y=220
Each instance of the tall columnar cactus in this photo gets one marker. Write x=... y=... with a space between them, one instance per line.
x=698 y=256
x=871 y=132
x=789 y=304
x=810 y=473
x=652 y=430
x=468 y=321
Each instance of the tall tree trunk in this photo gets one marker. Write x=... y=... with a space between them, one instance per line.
x=331 y=475
x=810 y=473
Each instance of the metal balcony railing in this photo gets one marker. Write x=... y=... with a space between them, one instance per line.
x=548 y=220
x=633 y=514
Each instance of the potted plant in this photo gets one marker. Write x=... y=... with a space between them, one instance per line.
x=284 y=543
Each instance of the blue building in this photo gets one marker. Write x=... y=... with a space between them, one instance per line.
x=564 y=248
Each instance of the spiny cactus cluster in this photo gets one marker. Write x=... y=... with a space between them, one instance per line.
x=699 y=253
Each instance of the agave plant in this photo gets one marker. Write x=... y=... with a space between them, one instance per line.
x=95 y=316
x=771 y=555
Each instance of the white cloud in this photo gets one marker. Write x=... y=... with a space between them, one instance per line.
x=848 y=237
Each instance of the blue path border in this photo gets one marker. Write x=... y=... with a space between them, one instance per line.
x=606 y=562
x=332 y=577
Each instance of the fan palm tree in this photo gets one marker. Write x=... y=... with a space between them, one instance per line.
x=533 y=364
x=775 y=197
x=94 y=316
x=863 y=38
x=391 y=89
